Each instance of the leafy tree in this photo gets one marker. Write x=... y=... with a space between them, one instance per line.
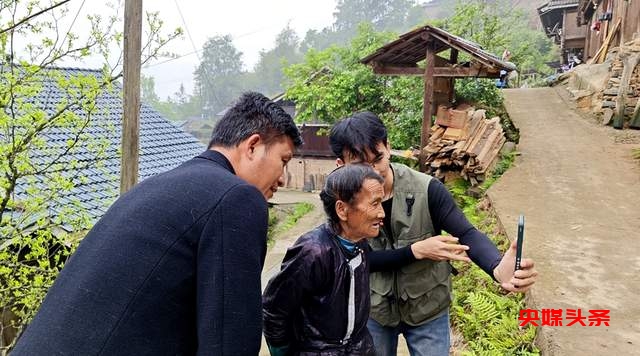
x=38 y=228
x=386 y=15
x=383 y=15
x=148 y=88
x=268 y=71
x=178 y=106
x=332 y=83
x=217 y=76
x=497 y=26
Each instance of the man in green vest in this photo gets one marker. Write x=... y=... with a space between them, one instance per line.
x=410 y=270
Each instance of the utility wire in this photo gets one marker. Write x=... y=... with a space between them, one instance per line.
x=195 y=50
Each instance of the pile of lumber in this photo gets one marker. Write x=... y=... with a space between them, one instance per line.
x=621 y=98
x=463 y=141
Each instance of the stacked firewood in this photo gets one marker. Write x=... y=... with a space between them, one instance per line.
x=463 y=141
x=621 y=97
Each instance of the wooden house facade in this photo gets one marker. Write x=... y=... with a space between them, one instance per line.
x=608 y=24
x=559 y=20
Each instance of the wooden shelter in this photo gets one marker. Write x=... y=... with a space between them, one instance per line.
x=416 y=53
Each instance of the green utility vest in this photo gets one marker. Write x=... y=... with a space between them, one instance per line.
x=421 y=291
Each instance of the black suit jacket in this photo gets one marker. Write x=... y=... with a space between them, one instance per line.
x=172 y=268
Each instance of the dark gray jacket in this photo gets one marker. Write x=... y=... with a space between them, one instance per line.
x=173 y=268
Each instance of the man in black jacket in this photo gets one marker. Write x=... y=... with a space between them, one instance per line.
x=318 y=304
x=173 y=267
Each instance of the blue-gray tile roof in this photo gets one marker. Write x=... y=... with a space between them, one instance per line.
x=163 y=146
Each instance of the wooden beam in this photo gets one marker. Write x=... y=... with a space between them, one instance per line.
x=447 y=72
x=427 y=109
x=461 y=48
x=394 y=70
x=453 y=56
x=462 y=72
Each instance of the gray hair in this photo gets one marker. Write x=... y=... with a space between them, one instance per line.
x=343 y=184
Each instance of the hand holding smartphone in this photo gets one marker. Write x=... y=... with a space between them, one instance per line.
x=519 y=242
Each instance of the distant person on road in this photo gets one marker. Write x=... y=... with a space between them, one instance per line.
x=410 y=280
x=318 y=304
x=173 y=267
x=503 y=81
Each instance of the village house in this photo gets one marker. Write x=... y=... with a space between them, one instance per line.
x=163 y=146
x=560 y=22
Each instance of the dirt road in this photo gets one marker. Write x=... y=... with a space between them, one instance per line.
x=580 y=194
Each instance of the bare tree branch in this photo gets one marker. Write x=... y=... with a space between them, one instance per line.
x=26 y=19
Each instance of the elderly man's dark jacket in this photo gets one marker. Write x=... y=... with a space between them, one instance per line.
x=172 y=268
x=306 y=303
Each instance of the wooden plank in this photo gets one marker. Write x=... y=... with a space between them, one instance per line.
x=437 y=133
x=487 y=145
x=455 y=134
x=601 y=54
x=477 y=138
x=609 y=37
x=493 y=151
x=452 y=118
x=477 y=149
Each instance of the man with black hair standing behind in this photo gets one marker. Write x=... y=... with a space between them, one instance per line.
x=173 y=267
x=410 y=281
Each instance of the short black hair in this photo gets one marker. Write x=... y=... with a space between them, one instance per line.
x=252 y=114
x=357 y=133
x=343 y=184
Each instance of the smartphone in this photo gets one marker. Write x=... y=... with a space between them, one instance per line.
x=519 y=242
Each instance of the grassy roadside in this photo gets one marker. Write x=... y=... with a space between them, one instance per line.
x=481 y=311
x=282 y=219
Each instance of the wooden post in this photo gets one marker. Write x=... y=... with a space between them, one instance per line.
x=563 y=59
x=453 y=59
x=427 y=104
x=131 y=87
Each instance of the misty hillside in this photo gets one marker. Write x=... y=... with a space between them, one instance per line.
x=439 y=9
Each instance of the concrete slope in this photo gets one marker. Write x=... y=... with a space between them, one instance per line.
x=580 y=194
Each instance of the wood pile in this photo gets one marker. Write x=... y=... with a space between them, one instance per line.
x=463 y=141
x=621 y=98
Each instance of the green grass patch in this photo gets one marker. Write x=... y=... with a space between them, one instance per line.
x=282 y=219
x=481 y=311
x=635 y=153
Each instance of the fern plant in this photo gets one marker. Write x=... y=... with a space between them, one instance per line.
x=480 y=311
